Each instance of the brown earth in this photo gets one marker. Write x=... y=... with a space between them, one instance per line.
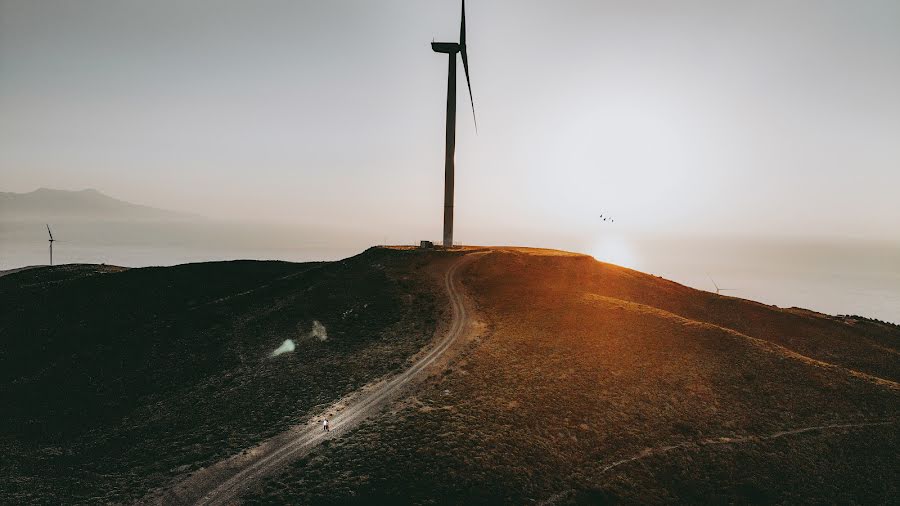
x=592 y=383
x=115 y=382
x=224 y=481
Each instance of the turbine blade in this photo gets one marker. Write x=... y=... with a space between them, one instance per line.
x=462 y=26
x=465 y=59
x=49 y=232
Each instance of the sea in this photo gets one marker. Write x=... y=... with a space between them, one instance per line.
x=851 y=277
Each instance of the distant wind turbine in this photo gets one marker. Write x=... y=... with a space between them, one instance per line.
x=718 y=290
x=451 y=48
x=51 y=243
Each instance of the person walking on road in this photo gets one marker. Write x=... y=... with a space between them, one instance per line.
x=325 y=425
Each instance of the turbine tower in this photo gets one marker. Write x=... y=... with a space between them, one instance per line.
x=451 y=49
x=51 y=243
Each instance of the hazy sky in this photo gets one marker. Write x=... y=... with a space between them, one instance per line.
x=701 y=117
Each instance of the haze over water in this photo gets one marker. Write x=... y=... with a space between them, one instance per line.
x=852 y=277
x=755 y=121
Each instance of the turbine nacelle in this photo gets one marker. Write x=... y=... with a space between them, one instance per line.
x=445 y=47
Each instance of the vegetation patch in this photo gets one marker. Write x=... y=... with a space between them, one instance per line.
x=116 y=381
x=601 y=385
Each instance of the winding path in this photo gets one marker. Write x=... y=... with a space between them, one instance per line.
x=224 y=481
x=724 y=440
x=728 y=440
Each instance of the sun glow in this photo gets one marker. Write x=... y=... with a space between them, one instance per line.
x=615 y=250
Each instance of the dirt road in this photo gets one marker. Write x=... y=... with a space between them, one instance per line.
x=223 y=482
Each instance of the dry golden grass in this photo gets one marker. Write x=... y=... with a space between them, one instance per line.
x=594 y=383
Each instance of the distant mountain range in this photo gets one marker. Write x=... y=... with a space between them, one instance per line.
x=45 y=204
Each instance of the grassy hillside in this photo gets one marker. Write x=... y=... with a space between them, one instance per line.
x=114 y=381
x=593 y=383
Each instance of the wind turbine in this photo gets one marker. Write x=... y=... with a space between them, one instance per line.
x=451 y=49
x=51 y=243
x=717 y=286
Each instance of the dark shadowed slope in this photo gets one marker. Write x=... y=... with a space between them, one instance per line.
x=117 y=381
x=598 y=384
x=226 y=480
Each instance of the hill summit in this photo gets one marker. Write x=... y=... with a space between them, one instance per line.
x=588 y=383
x=463 y=376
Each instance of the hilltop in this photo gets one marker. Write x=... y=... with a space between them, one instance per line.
x=567 y=381
x=592 y=383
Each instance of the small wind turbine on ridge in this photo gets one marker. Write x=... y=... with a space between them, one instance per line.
x=718 y=290
x=51 y=243
x=451 y=49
